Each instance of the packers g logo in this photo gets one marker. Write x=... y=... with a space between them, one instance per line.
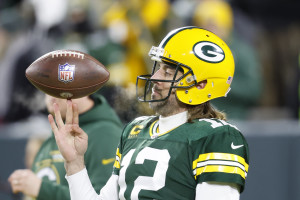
x=209 y=52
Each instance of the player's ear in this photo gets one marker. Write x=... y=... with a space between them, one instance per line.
x=201 y=84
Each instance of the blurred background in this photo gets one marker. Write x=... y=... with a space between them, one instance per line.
x=264 y=37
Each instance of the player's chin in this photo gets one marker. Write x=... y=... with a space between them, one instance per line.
x=156 y=96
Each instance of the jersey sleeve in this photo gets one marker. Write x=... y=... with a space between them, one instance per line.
x=221 y=155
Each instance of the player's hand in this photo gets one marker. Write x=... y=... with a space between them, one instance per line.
x=71 y=140
x=25 y=181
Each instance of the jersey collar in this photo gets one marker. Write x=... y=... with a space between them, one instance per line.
x=167 y=124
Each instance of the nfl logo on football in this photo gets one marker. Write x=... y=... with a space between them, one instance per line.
x=66 y=73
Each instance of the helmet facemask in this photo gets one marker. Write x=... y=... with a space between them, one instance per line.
x=144 y=95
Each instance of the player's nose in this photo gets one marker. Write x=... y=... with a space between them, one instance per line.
x=157 y=75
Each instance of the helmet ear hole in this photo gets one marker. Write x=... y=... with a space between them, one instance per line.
x=201 y=84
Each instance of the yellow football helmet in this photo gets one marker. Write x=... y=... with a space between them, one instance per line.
x=202 y=56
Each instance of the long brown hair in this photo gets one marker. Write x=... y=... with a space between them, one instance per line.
x=205 y=110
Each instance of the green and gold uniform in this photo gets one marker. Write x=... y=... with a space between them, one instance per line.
x=170 y=165
x=104 y=129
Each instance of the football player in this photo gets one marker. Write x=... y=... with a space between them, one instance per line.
x=187 y=151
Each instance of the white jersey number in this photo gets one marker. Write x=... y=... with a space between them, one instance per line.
x=216 y=124
x=154 y=183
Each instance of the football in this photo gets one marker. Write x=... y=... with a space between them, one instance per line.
x=67 y=74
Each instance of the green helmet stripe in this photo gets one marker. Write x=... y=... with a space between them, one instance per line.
x=171 y=34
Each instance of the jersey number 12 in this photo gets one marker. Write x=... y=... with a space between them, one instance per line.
x=155 y=182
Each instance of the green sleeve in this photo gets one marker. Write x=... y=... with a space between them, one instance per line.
x=50 y=191
x=221 y=156
x=100 y=156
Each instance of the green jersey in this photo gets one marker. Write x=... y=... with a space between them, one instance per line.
x=170 y=165
x=104 y=130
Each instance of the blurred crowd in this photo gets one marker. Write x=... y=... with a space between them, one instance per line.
x=119 y=33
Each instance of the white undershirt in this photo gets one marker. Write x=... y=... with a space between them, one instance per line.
x=81 y=187
x=168 y=123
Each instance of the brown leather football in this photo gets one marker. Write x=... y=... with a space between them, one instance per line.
x=67 y=74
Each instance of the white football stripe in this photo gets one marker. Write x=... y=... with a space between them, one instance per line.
x=220 y=162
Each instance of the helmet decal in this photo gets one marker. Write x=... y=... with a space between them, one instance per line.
x=209 y=52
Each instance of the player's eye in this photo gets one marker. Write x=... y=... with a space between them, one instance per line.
x=169 y=72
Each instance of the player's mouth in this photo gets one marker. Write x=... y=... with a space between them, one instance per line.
x=155 y=92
